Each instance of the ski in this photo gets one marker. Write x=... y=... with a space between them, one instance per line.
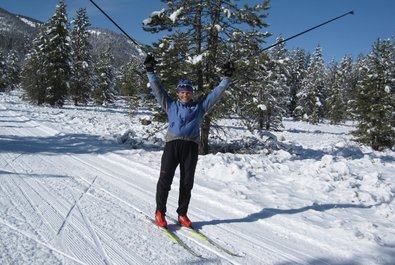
x=170 y=234
x=195 y=232
x=205 y=238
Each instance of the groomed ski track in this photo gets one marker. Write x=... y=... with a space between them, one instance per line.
x=76 y=204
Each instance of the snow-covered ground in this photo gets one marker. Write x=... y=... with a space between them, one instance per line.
x=74 y=191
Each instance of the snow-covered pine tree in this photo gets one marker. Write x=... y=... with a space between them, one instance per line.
x=81 y=79
x=341 y=88
x=375 y=98
x=12 y=69
x=279 y=89
x=249 y=99
x=132 y=84
x=33 y=76
x=297 y=70
x=359 y=71
x=270 y=97
x=335 y=104
x=58 y=66
x=3 y=76
x=172 y=51
x=349 y=77
x=104 y=91
x=263 y=104
x=312 y=96
x=203 y=35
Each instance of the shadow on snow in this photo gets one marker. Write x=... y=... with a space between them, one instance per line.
x=5 y=173
x=58 y=144
x=269 y=212
x=386 y=253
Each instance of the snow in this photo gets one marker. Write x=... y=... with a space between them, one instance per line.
x=154 y=14
x=227 y=12
x=77 y=183
x=94 y=32
x=147 y=21
x=28 y=22
x=175 y=14
x=262 y=107
x=196 y=59
x=217 y=27
x=158 y=13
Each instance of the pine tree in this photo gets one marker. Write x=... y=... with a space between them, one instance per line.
x=104 y=92
x=81 y=81
x=271 y=98
x=265 y=99
x=312 y=96
x=336 y=105
x=3 y=75
x=205 y=33
x=375 y=98
x=12 y=69
x=33 y=76
x=250 y=98
x=58 y=66
x=349 y=77
x=341 y=90
x=297 y=69
x=279 y=88
x=132 y=84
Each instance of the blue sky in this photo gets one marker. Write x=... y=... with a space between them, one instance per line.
x=350 y=35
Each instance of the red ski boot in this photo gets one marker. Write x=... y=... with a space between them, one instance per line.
x=160 y=219
x=184 y=221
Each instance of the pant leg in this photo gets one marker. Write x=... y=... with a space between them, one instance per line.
x=188 y=162
x=169 y=163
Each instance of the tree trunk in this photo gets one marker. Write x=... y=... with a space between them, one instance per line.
x=205 y=130
x=212 y=44
x=199 y=41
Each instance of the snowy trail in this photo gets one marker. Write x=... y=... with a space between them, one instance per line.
x=52 y=216
x=263 y=247
x=67 y=199
x=43 y=205
x=55 y=217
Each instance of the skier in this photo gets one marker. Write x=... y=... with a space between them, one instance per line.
x=182 y=137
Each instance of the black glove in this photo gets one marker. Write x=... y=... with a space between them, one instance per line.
x=149 y=63
x=228 y=68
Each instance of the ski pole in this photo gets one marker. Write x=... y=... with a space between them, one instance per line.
x=307 y=30
x=104 y=13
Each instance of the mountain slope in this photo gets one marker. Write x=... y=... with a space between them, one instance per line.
x=17 y=32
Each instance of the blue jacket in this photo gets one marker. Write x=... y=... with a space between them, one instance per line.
x=185 y=118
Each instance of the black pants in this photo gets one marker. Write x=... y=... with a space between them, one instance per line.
x=185 y=154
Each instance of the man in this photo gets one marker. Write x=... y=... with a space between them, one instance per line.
x=182 y=138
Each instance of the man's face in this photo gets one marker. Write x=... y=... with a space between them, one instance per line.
x=184 y=96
